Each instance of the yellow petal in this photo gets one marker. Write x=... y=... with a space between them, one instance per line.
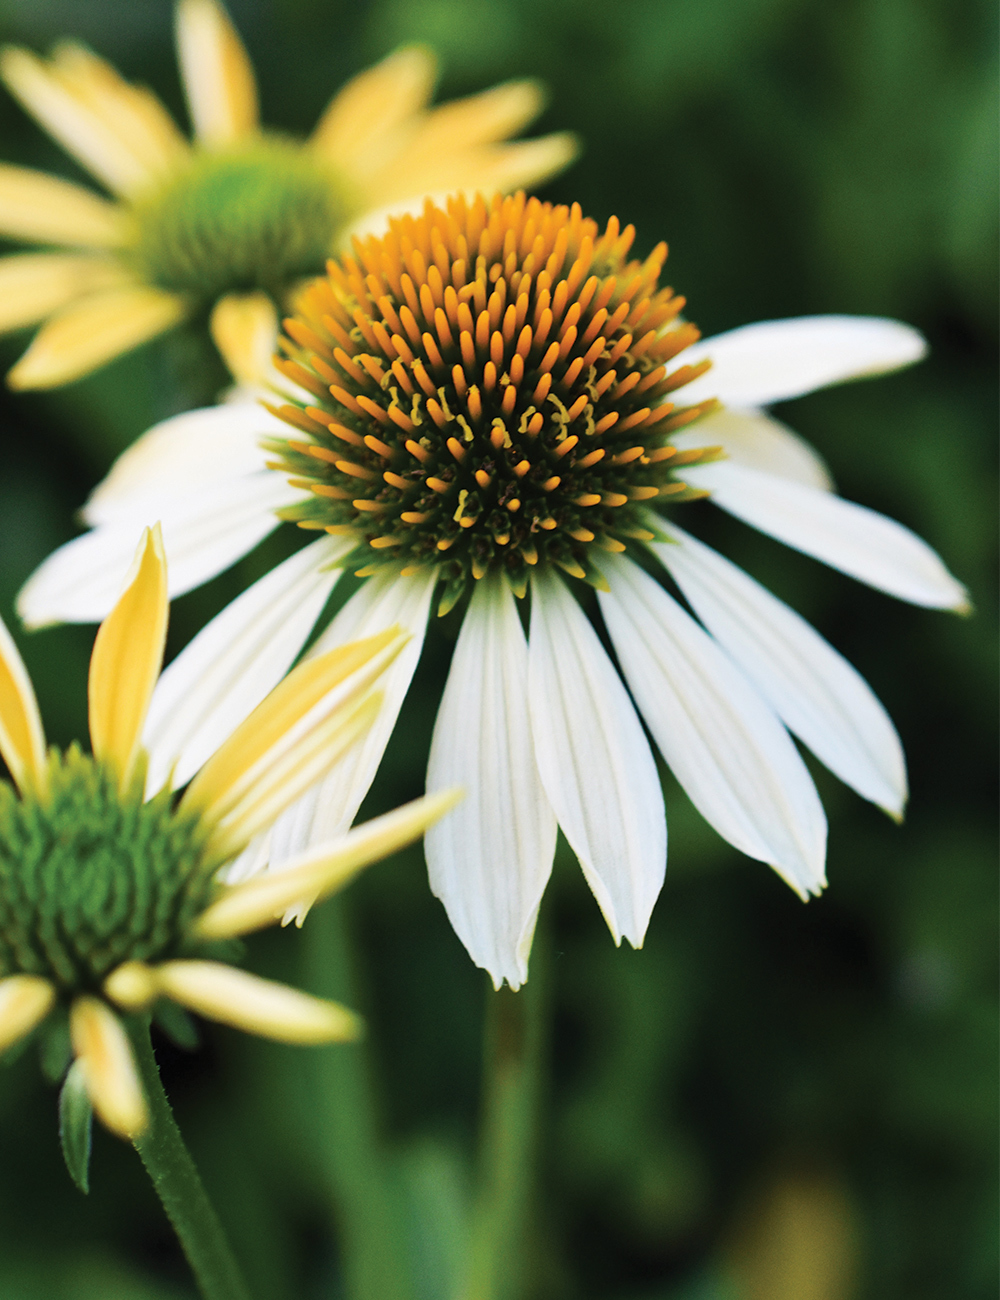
x=25 y=1001
x=22 y=740
x=245 y=330
x=128 y=652
x=133 y=985
x=93 y=331
x=70 y=120
x=42 y=209
x=360 y=128
x=132 y=113
x=288 y=772
x=218 y=77
x=268 y=734
x=259 y=1006
x=101 y=1046
x=486 y=168
x=321 y=870
x=34 y=285
x=492 y=115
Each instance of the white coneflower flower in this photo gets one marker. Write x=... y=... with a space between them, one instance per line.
x=237 y=211
x=488 y=404
x=109 y=899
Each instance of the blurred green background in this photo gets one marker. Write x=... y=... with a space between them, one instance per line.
x=769 y=1101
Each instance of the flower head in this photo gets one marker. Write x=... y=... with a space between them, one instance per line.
x=493 y=417
x=109 y=899
x=239 y=211
x=491 y=401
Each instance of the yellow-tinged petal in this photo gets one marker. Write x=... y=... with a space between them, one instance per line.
x=270 y=731
x=94 y=330
x=42 y=209
x=69 y=119
x=321 y=870
x=361 y=128
x=25 y=1001
x=288 y=772
x=259 y=1006
x=132 y=113
x=245 y=330
x=101 y=1046
x=217 y=73
x=492 y=115
x=133 y=985
x=34 y=285
x=486 y=168
x=22 y=740
x=128 y=653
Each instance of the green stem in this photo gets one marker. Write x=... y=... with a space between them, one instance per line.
x=369 y=1199
x=513 y=1050
x=178 y=1185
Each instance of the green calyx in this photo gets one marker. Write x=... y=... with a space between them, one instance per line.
x=256 y=217
x=90 y=877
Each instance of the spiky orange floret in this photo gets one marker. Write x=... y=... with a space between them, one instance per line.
x=492 y=390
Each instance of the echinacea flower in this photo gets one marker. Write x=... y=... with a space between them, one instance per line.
x=239 y=210
x=110 y=900
x=493 y=399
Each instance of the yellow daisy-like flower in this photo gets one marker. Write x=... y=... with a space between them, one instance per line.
x=110 y=900
x=239 y=210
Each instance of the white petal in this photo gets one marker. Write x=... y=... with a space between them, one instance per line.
x=490 y=858
x=778 y=359
x=728 y=750
x=330 y=807
x=234 y=661
x=215 y=527
x=813 y=689
x=755 y=439
x=858 y=541
x=595 y=761
x=199 y=447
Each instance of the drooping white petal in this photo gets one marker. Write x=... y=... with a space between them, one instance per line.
x=193 y=449
x=595 y=761
x=490 y=858
x=774 y=360
x=215 y=527
x=223 y=674
x=755 y=439
x=728 y=750
x=330 y=807
x=858 y=541
x=812 y=688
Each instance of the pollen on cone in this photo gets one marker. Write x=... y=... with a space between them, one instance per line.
x=498 y=395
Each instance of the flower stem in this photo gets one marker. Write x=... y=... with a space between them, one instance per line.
x=179 y=1186
x=368 y=1197
x=513 y=1051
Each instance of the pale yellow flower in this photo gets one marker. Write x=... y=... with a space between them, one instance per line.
x=111 y=893
x=240 y=209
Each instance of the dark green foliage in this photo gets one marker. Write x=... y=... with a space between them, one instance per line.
x=90 y=878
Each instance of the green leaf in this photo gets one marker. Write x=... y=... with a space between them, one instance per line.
x=75 y=1124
